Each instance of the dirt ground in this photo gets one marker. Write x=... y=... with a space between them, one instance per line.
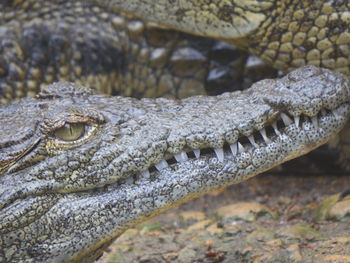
x=281 y=216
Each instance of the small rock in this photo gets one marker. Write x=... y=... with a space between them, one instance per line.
x=186 y=255
x=128 y=235
x=247 y=211
x=276 y=243
x=170 y=257
x=295 y=253
x=332 y=208
x=214 y=229
x=340 y=210
x=332 y=258
x=321 y=211
x=187 y=215
x=341 y=240
x=301 y=232
x=200 y=225
x=261 y=234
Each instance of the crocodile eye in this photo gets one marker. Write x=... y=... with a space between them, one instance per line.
x=70 y=131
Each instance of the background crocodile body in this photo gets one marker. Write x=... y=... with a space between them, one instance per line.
x=46 y=41
x=78 y=169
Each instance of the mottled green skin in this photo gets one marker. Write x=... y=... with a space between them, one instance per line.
x=65 y=201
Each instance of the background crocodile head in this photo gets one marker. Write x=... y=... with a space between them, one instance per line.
x=77 y=168
x=232 y=19
x=284 y=33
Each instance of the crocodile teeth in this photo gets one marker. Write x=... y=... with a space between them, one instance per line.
x=296 y=120
x=220 y=154
x=285 y=118
x=252 y=141
x=161 y=165
x=274 y=126
x=197 y=153
x=145 y=174
x=314 y=121
x=233 y=148
x=263 y=134
x=240 y=147
x=181 y=157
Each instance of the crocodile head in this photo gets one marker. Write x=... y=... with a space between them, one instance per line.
x=78 y=168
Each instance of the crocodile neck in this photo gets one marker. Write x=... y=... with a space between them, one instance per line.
x=67 y=198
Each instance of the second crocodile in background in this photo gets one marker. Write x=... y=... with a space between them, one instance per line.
x=78 y=169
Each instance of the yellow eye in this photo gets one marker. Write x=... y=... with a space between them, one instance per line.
x=70 y=131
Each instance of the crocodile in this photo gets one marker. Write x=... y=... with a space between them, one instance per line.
x=78 y=168
x=76 y=171
x=43 y=41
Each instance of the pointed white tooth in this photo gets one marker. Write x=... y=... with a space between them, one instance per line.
x=263 y=134
x=233 y=148
x=181 y=157
x=285 y=118
x=314 y=121
x=184 y=156
x=197 y=153
x=161 y=165
x=240 y=147
x=178 y=157
x=252 y=140
x=145 y=174
x=296 y=120
x=274 y=126
x=220 y=154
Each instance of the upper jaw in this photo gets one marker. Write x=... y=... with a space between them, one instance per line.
x=285 y=139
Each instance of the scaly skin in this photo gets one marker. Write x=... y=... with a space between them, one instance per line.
x=67 y=200
x=46 y=41
x=285 y=33
x=145 y=61
x=77 y=169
